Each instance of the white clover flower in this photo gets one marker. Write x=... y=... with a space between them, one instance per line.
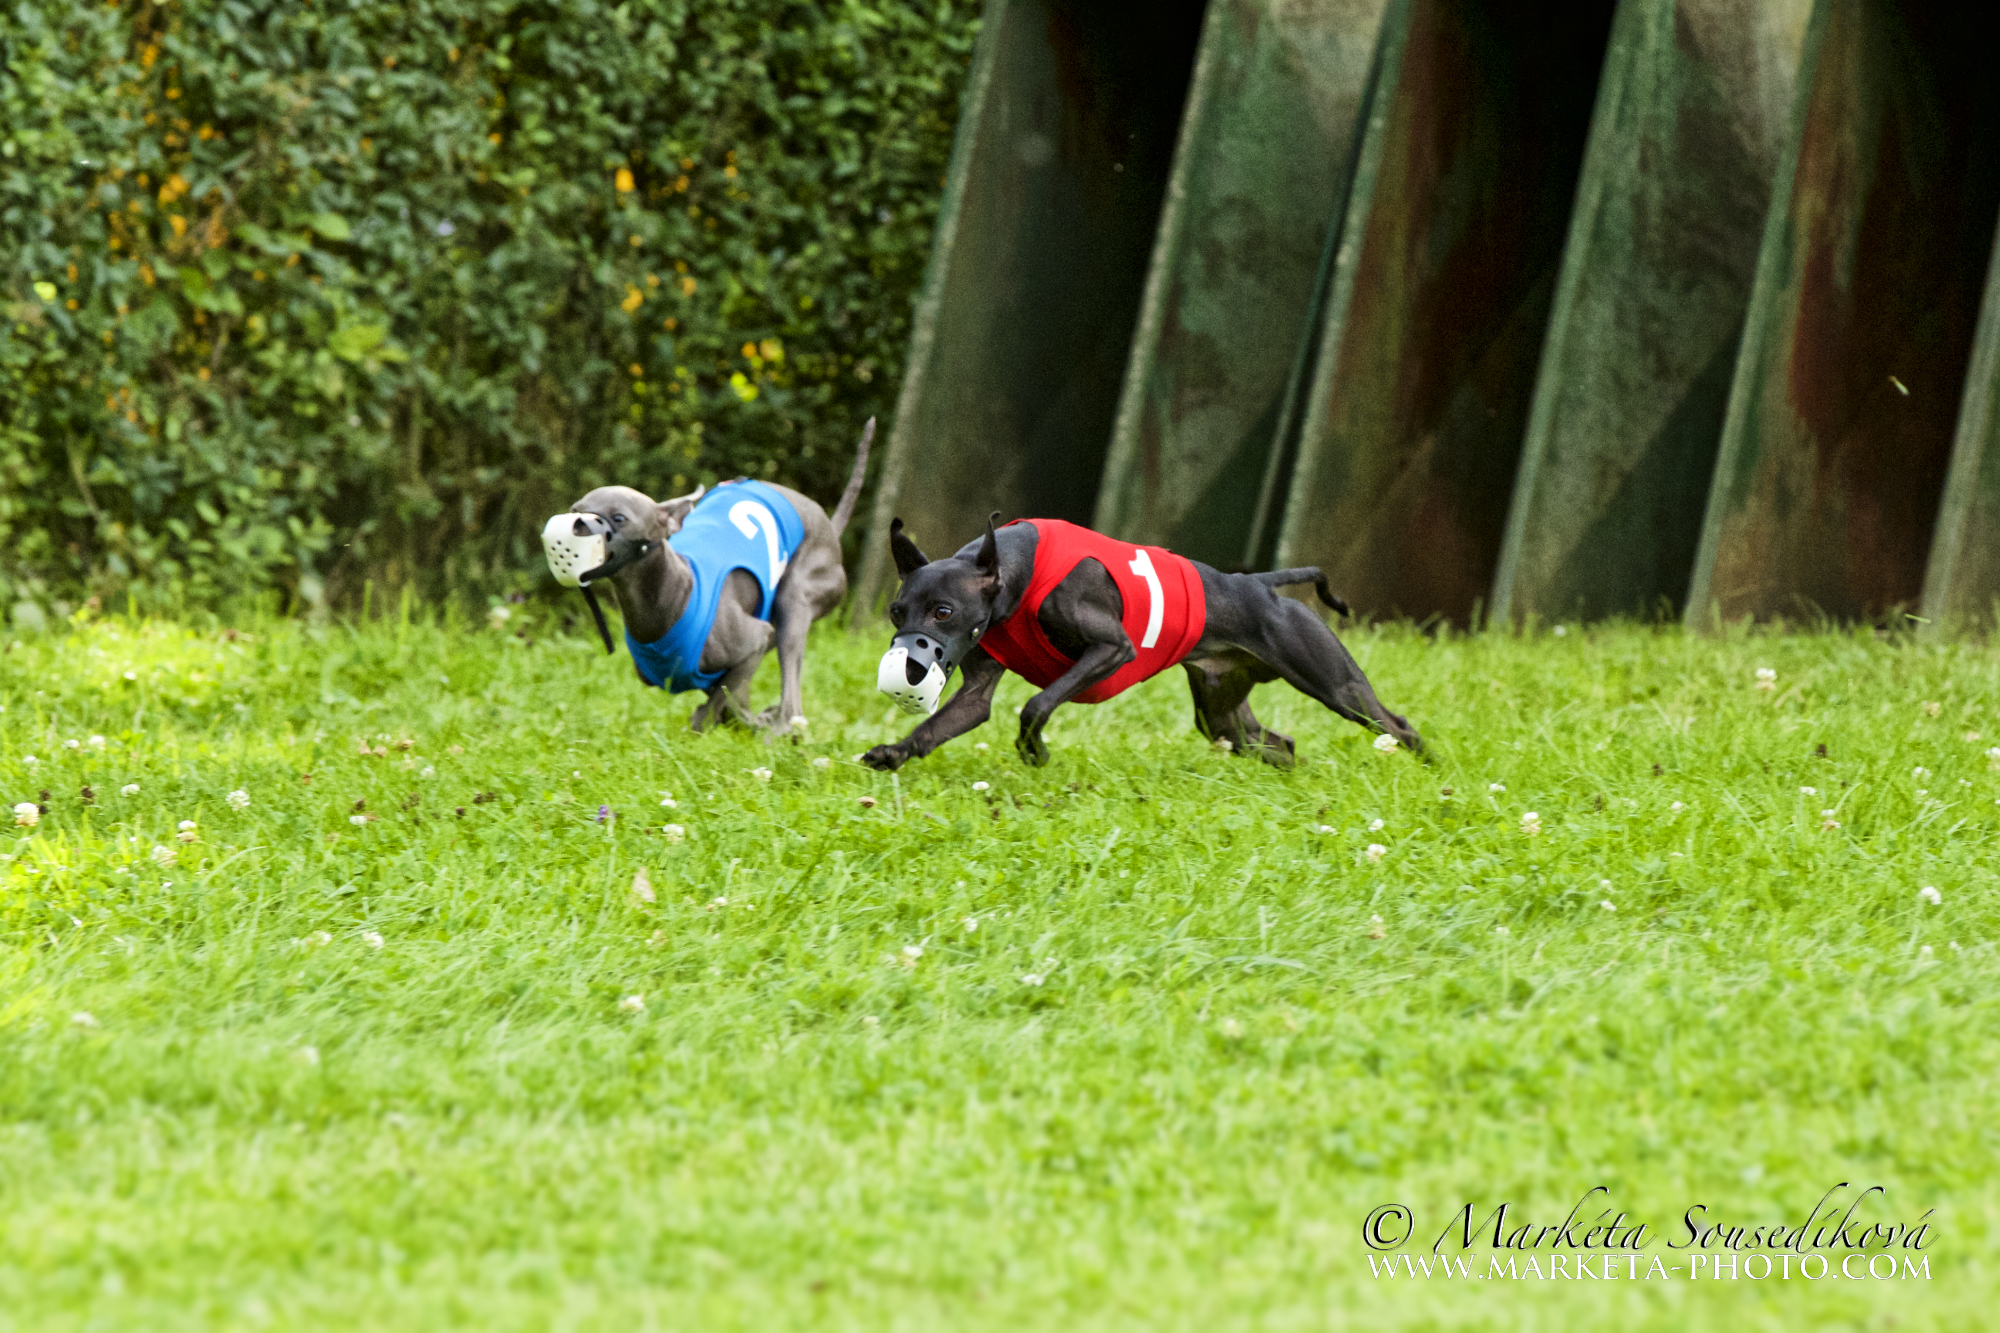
x=1677 y=807
x=72 y=745
x=187 y=835
x=1561 y=630
x=319 y=939
x=357 y=820
x=1376 y=851
x=307 y=1055
x=982 y=786
x=1920 y=772
x=979 y=745
x=372 y=938
x=870 y=1020
x=633 y=1004
x=1993 y=756
x=1385 y=743
x=1032 y=978
x=129 y=789
x=714 y=903
x=1378 y=825
x=131 y=675
x=1809 y=791
x=1375 y=931
x=1231 y=1029
x=1531 y=823
x=1924 y=952
x=1767 y=679
x=1931 y=896
x=1323 y=828
x=674 y=832
x=1502 y=930
x=913 y=952
x=667 y=801
x=1496 y=788
x=822 y=762
x=30 y=760
x=27 y=814
x=83 y=1018
x=95 y=742
x=499 y=616
x=761 y=774
x=1827 y=822
x=971 y=924
x=657 y=940
x=428 y=771
x=867 y=802
x=187 y=826
x=1604 y=884
x=1608 y=905
x=238 y=800
x=165 y=856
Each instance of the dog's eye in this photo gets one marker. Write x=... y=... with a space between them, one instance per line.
x=942 y=613
x=617 y=520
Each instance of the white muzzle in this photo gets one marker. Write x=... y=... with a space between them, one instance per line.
x=915 y=689
x=575 y=544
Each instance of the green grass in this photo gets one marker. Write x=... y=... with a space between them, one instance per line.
x=1222 y=1071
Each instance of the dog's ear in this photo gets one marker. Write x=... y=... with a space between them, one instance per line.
x=988 y=559
x=668 y=515
x=908 y=558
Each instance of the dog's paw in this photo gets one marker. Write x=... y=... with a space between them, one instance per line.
x=1029 y=746
x=886 y=758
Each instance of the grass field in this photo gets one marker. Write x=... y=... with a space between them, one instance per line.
x=1136 y=1040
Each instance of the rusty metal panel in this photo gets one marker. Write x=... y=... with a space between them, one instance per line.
x=1848 y=385
x=1692 y=117
x=1261 y=171
x=1962 y=584
x=1441 y=294
x=1019 y=341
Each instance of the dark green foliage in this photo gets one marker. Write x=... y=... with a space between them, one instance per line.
x=299 y=293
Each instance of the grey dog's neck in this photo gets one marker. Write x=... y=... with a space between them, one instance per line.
x=653 y=593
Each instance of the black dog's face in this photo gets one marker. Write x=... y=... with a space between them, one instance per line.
x=943 y=606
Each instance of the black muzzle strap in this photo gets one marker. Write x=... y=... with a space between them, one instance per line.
x=597 y=614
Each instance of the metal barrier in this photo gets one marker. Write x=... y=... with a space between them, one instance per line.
x=1018 y=347
x=1848 y=387
x=1478 y=302
x=1440 y=299
x=1266 y=151
x=1692 y=117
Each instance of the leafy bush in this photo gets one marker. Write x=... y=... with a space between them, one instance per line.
x=301 y=293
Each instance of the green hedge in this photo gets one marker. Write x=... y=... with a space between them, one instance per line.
x=309 y=292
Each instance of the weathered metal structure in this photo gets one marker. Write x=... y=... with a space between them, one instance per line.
x=1488 y=307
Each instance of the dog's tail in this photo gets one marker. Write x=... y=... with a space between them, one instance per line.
x=845 y=509
x=1281 y=578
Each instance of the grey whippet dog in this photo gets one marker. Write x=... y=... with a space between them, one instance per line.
x=946 y=612
x=652 y=582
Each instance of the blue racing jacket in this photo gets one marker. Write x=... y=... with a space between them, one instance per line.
x=737 y=525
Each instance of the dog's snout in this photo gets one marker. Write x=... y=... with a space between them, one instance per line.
x=582 y=528
x=914 y=671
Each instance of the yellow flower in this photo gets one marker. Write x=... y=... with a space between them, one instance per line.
x=634 y=298
x=687 y=286
x=624 y=180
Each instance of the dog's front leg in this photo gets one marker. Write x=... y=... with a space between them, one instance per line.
x=967 y=709
x=1096 y=662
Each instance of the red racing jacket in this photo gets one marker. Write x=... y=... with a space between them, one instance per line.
x=1165 y=609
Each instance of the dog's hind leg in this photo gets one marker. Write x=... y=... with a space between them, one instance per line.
x=807 y=593
x=1221 y=688
x=1299 y=647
